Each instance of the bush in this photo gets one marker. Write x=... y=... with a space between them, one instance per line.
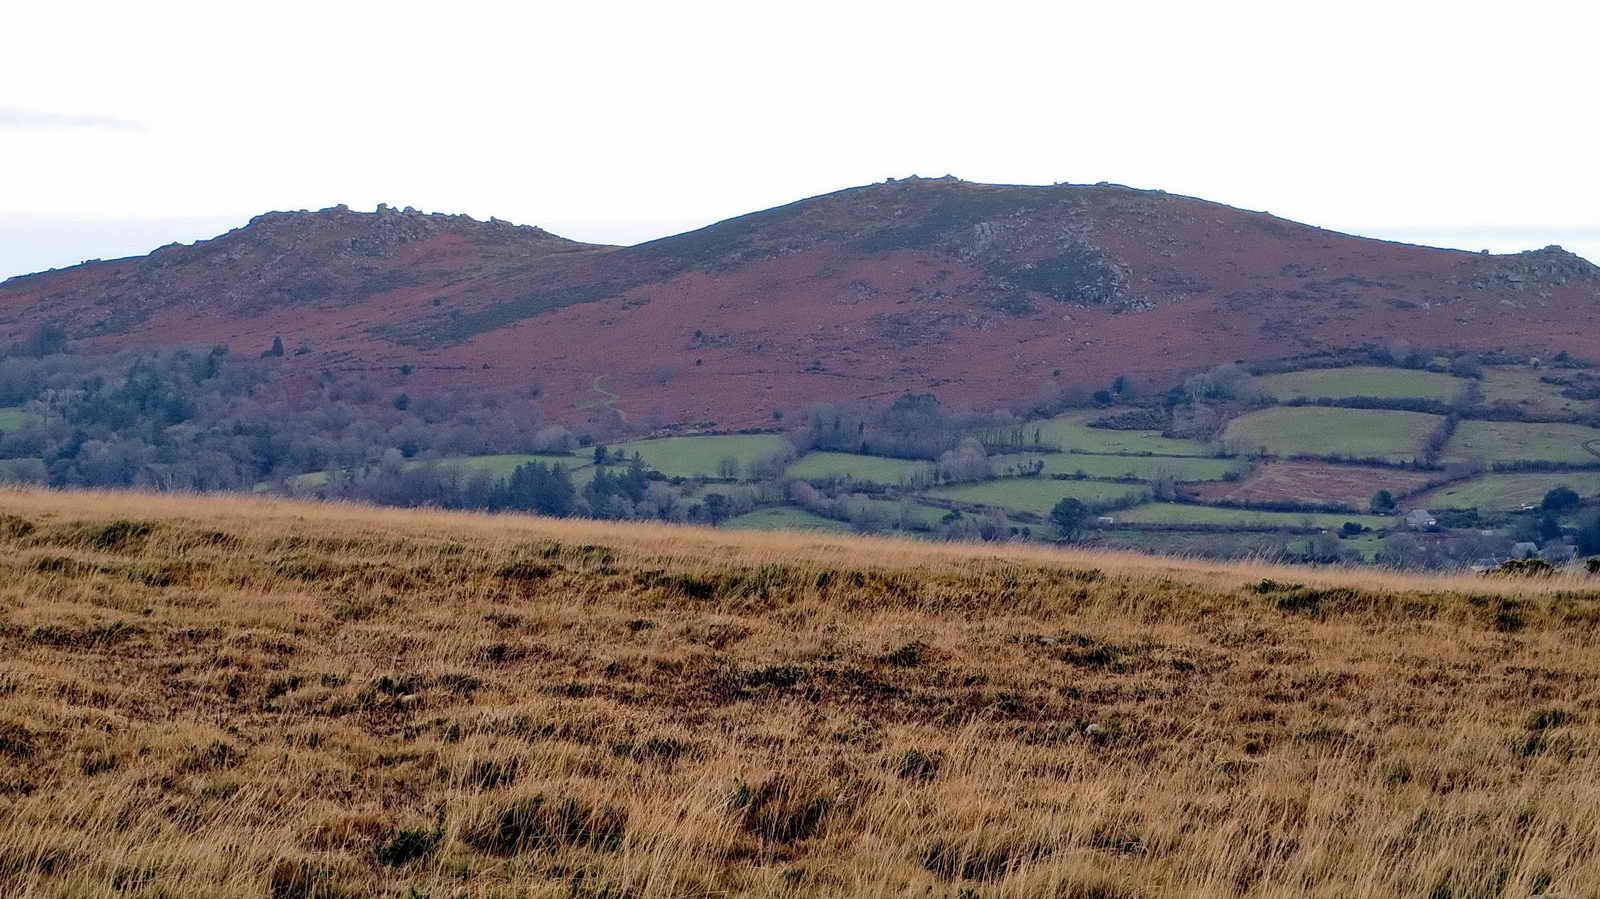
x=546 y=824
x=1522 y=568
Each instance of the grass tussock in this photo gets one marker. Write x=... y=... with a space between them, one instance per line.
x=239 y=697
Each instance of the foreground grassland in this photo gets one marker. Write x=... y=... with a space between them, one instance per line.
x=1318 y=431
x=1360 y=380
x=238 y=697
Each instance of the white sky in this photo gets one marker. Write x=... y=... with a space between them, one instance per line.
x=128 y=125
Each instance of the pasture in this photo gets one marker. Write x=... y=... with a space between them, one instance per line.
x=1361 y=380
x=1037 y=495
x=1321 y=431
x=1071 y=431
x=688 y=457
x=1506 y=441
x=872 y=469
x=1185 y=513
x=1503 y=492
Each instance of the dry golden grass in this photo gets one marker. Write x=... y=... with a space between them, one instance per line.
x=243 y=697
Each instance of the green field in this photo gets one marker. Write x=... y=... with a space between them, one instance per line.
x=873 y=469
x=1519 y=386
x=10 y=418
x=1361 y=380
x=1145 y=468
x=1036 y=495
x=1497 y=441
x=903 y=513
x=689 y=457
x=1180 y=513
x=1503 y=492
x=1319 y=431
x=1072 y=432
x=785 y=518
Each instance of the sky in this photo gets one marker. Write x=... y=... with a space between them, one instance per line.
x=125 y=126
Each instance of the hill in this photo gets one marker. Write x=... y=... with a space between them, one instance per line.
x=229 y=696
x=982 y=293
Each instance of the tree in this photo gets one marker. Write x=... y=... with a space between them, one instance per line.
x=1549 y=527
x=1383 y=502
x=276 y=349
x=402 y=401
x=1351 y=529
x=1069 y=514
x=599 y=454
x=1560 y=500
x=728 y=467
x=1589 y=535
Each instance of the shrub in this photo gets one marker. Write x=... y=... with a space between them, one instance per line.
x=541 y=823
x=1522 y=568
x=783 y=809
x=407 y=846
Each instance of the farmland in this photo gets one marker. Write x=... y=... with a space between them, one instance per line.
x=1317 y=431
x=228 y=696
x=1071 y=431
x=1313 y=482
x=1144 y=468
x=785 y=518
x=1185 y=513
x=1361 y=380
x=1504 y=441
x=1520 y=386
x=1509 y=491
x=1035 y=495
x=874 y=469
x=11 y=418
x=689 y=457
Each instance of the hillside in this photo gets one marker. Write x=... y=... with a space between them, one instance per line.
x=981 y=293
x=231 y=697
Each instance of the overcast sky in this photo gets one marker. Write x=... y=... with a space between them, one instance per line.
x=126 y=125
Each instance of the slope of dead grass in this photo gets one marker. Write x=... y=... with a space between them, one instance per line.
x=241 y=697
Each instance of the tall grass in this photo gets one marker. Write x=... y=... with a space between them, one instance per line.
x=244 y=697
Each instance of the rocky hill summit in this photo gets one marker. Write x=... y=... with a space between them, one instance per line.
x=982 y=293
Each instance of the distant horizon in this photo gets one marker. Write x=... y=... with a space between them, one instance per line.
x=112 y=238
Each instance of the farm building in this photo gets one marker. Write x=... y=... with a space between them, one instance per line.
x=1418 y=519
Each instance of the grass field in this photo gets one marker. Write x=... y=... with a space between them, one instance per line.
x=1184 y=513
x=1317 y=431
x=689 y=457
x=1501 y=492
x=873 y=469
x=785 y=518
x=222 y=697
x=1072 y=432
x=1496 y=441
x=11 y=418
x=1360 y=380
x=1142 y=467
x=1036 y=495
x=1520 y=386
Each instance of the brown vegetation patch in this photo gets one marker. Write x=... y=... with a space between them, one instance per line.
x=336 y=701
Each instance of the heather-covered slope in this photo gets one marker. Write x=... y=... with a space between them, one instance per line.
x=980 y=293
